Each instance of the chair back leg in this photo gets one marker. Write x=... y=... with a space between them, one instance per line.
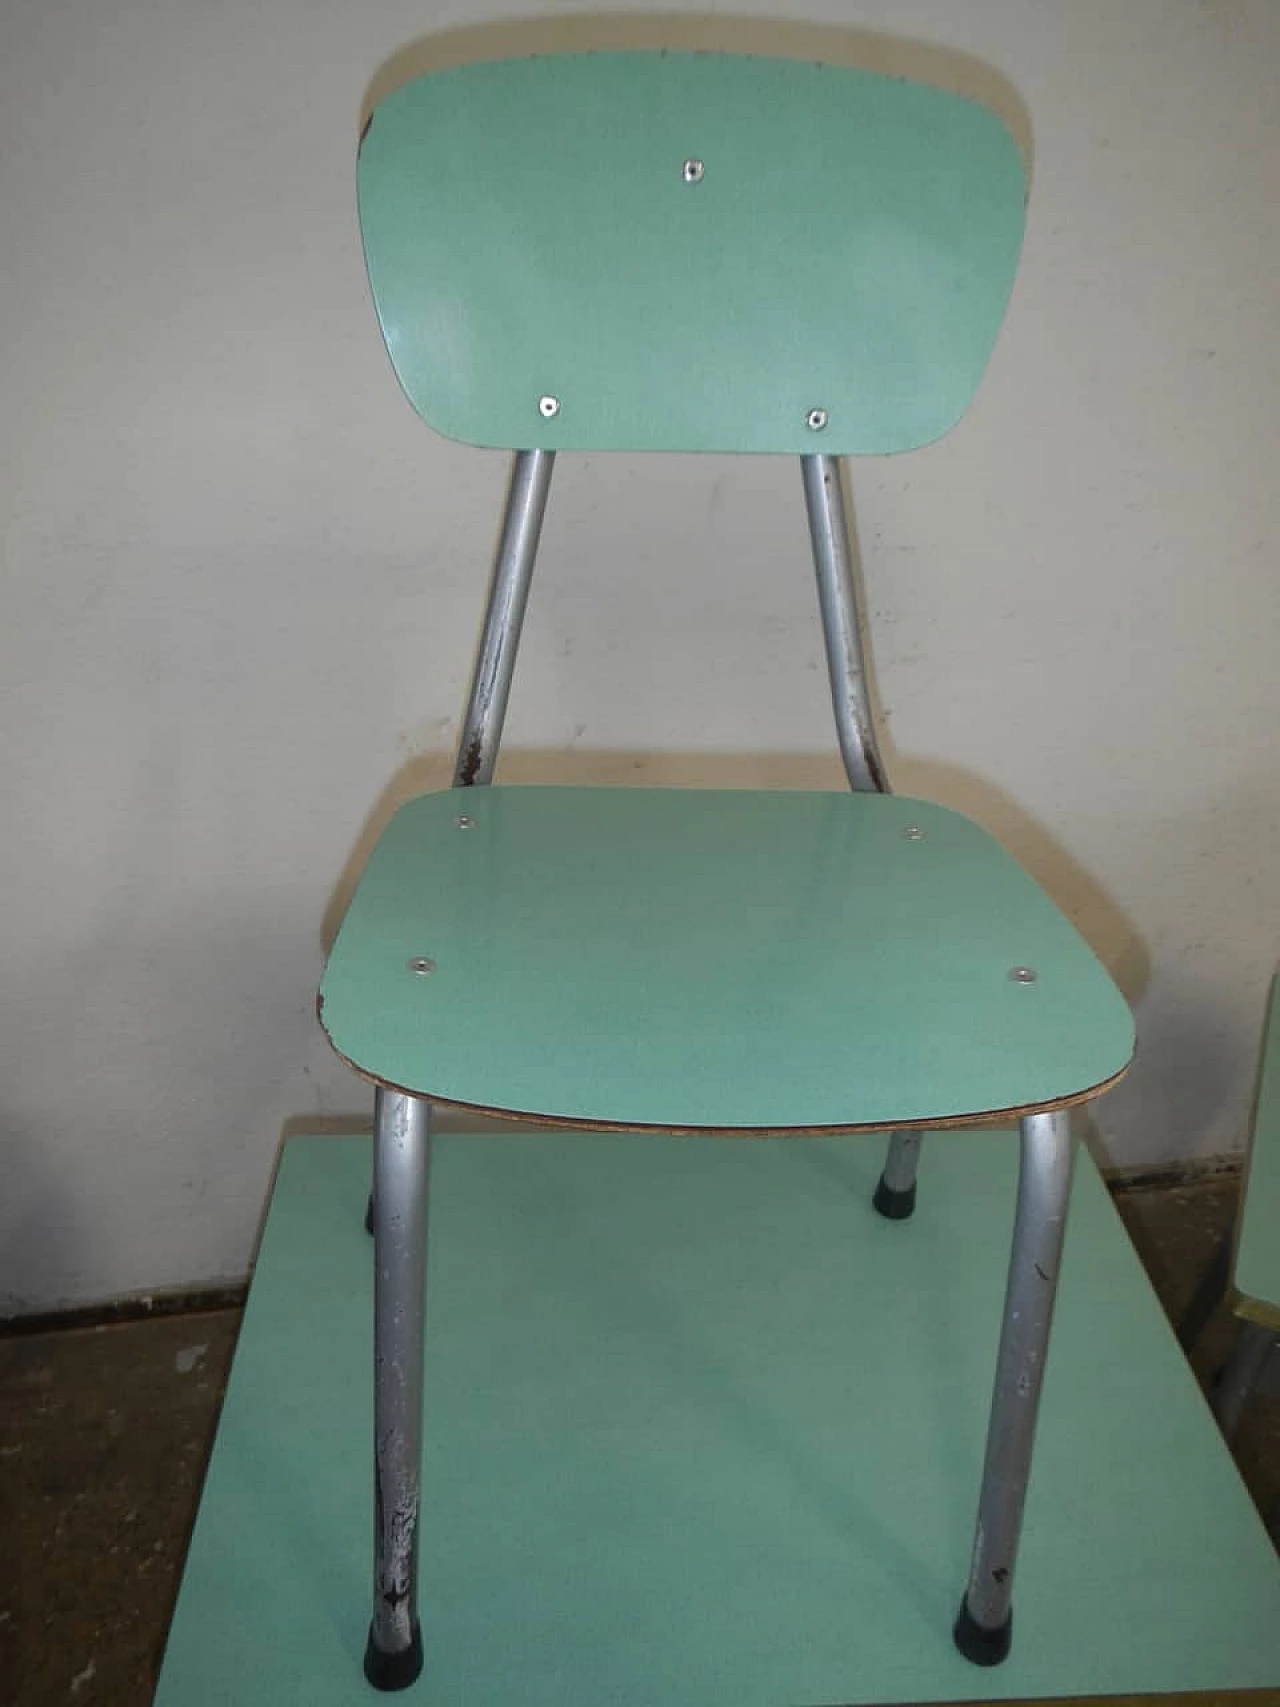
x=503 y=618
x=895 y=1196
x=895 y=1193
x=841 y=624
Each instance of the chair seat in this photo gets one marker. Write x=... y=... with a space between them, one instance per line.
x=714 y=960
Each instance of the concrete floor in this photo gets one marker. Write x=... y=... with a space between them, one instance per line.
x=105 y=1432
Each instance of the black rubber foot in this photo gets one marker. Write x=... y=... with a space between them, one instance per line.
x=393 y=1671
x=982 y=1646
x=894 y=1205
x=368 y=1216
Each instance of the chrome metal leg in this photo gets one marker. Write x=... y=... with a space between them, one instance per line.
x=393 y=1657
x=895 y=1194
x=503 y=619
x=841 y=627
x=1241 y=1375
x=983 y=1629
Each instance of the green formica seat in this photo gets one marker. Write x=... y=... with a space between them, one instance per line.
x=685 y=252
x=727 y=961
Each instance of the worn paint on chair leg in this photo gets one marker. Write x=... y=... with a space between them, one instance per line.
x=504 y=616
x=895 y=1194
x=983 y=1630
x=401 y=1160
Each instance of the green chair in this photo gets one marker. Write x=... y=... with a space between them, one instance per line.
x=1253 y=1260
x=700 y=252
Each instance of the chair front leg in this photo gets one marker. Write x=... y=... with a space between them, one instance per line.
x=983 y=1630
x=393 y=1657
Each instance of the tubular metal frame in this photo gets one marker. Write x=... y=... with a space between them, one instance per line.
x=841 y=627
x=402 y=1143
x=401 y=1159
x=503 y=619
x=397 y=1212
x=984 y=1627
x=829 y=535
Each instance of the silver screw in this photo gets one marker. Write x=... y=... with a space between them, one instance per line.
x=548 y=406
x=1022 y=974
x=914 y=833
x=816 y=420
x=465 y=823
x=421 y=965
x=692 y=171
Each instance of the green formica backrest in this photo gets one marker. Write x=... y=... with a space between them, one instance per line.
x=688 y=251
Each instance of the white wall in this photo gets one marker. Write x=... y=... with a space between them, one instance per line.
x=240 y=583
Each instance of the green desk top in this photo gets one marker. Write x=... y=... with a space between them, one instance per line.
x=702 y=1430
x=843 y=241
x=723 y=960
x=1257 y=1267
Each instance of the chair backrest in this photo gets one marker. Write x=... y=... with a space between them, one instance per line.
x=688 y=251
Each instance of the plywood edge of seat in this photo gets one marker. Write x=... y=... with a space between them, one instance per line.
x=592 y=1123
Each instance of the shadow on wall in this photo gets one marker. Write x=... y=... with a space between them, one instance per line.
x=830 y=44
x=36 y=1204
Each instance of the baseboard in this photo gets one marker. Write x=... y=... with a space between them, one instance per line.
x=1172 y=1176
x=140 y=1307
x=1208 y=1170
